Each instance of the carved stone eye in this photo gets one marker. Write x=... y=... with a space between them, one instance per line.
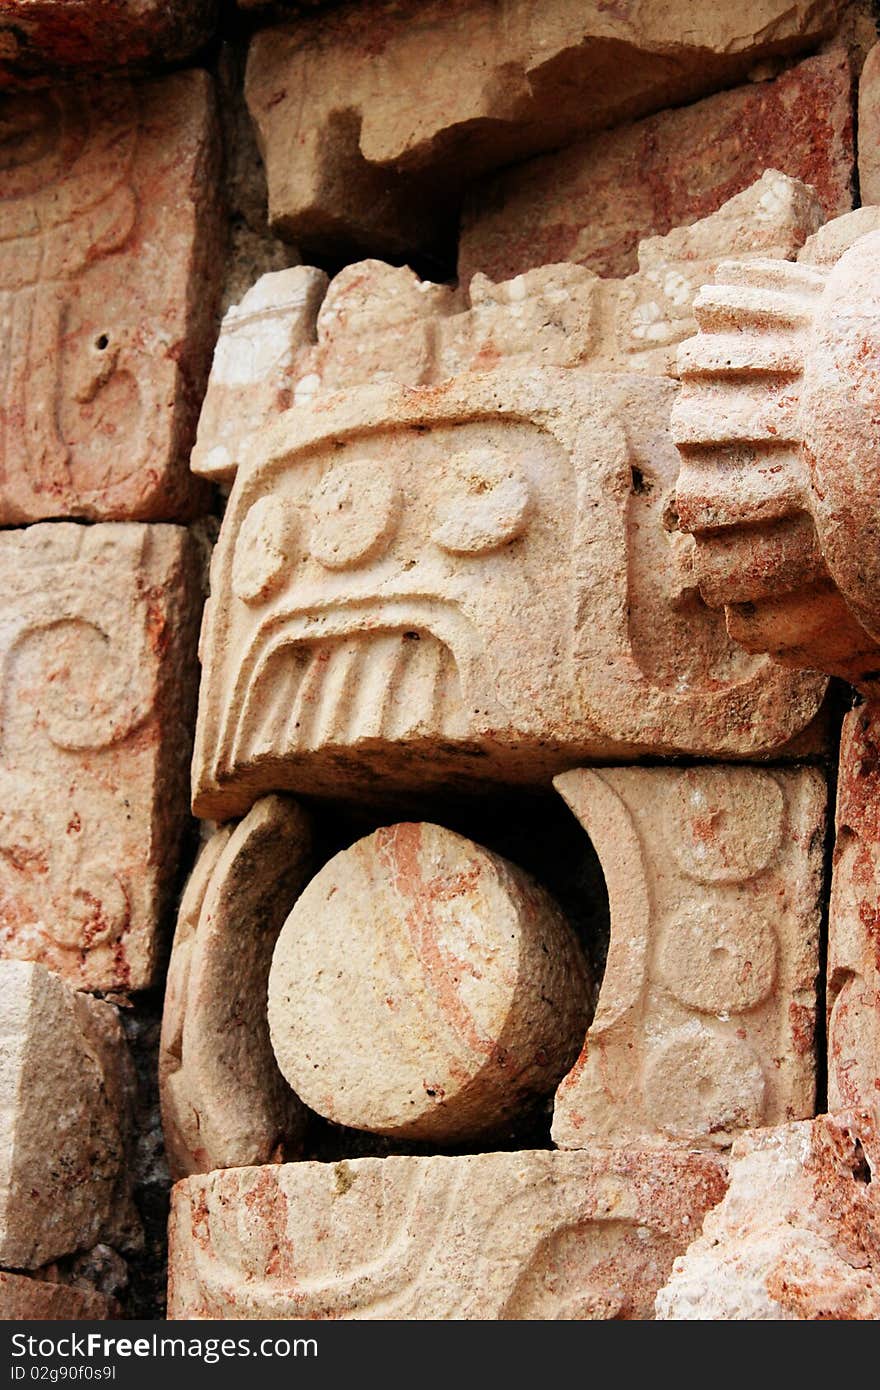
x=264 y=549
x=355 y=510
x=487 y=503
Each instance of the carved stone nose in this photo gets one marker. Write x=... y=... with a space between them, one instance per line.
x=776 y=430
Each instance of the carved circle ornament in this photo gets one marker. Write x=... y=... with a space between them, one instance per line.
x=355 y=511
x=718 y=960
x=701 y=1082
x=423 y=987
x=487 y=504
x=90 y=916
x=265 y=549
x=726 y=831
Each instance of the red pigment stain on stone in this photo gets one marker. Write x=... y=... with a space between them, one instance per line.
x=803 y=1027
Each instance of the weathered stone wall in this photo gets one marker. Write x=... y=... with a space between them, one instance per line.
x=465 y=915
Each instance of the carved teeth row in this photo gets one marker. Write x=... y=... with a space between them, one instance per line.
x=368 y=686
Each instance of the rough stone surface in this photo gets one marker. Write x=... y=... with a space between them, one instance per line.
x=224 y=1102
x=65 y=1136
x=292 y=338
x=110 y=270
x=854 y=920
x=376 y=155
x=425 y=988
x=869 y=129
x=259 y=354
x=593 y=202
x=41 y=39
x=530 y=1235
x=434 y=586
x=382 y=323
x=253 y=248
x=797 y=1236
x=23 y=1299
x=781 y=383
x=98 y=646
x=706 y=1015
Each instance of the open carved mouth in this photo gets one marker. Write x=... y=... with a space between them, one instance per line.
x=339 y=690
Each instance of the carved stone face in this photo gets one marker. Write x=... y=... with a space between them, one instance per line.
x=462 y=581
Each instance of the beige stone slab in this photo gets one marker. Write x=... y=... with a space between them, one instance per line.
x=111 y=258
x=359 y=156
x=435 y=586
x=853 y=922
x=39 y=39
x=796 y=1238
x=98 y=640
x=65 y=1138
x=425 y=988
x=534 y=1235
x=706 y=1015
x=23 y=1299
x=593 y=202
x=261 y=351
x=224 y=1101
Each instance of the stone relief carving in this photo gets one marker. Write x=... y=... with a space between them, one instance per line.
x=224 y=1102
x=705 y=1020
x=430 y=586
x=776 y=424
x=854 y=920
x=97 y=650
x=493 y=1235
x=96 y=409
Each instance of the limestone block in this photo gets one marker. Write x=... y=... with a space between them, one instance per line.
x=23 y=1299
x=826 y=246
x=869 y=128
x=110 y=268
x=533 y=1235
x=425 y=988
x=706 y=1014
x=382 y=323
x=797 y=1237
x=262 y=343
x=98 y=641
x=224 y=1101
x=360 y=156
x=65 y=1120
x=594 y=201
x=778 y=426
x=854 y=919
x=39 y=39
x=474 y=580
